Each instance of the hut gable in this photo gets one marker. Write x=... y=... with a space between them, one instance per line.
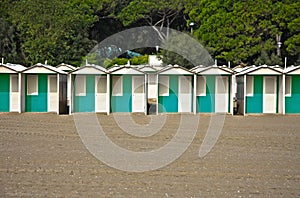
x=11 y=68
x=147 y=69
x=262 y=70
x=213 y=70
x=175 y=70
x=292 y=70
x=90 y=69
x=43 y=69
x=65 y=67
x=127 y=70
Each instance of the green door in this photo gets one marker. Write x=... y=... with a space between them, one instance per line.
x=4 y=92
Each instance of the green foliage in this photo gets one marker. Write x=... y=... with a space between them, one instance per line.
x=119 y=61
x=157 y=14
x=9 y=43
x=56 y=30
x=240 y=31
x=139 y=60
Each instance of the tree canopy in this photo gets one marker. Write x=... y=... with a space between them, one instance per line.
x=240 y=31
x=245 y=31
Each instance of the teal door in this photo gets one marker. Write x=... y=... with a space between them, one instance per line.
x=4 y=92
x=36 y=93
x=84 y=99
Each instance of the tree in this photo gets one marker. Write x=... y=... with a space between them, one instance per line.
x=56 y=31
x=157 y=14
x=9 y=43
x=243 y=31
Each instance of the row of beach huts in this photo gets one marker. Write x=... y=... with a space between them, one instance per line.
x=150 y=89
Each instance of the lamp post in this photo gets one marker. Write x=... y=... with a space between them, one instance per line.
x=157 y=48
x=192 y=25
x=278 y=37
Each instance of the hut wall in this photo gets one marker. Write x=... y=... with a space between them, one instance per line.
x=37 y=102
x=292 y=102
x=86 y=102
x=122 y=102
x=254 y=104
x=169 y=103
x=206 y=104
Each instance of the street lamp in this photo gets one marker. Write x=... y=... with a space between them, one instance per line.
x=278 y=37
x=192 y=25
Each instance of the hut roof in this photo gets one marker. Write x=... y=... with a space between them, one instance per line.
x=262 y=70
x=42 y=69
x=11 y=68
x=213 y=70
x=175 y=70
x=90 y=69
x=292 y=70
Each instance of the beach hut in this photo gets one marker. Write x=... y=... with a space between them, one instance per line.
x=214 y=92
x=261 y=89
x=175 y=90
x=292 y=90
x=127 y=89
x=89 y=89
x=10 y=87
x=45 y=89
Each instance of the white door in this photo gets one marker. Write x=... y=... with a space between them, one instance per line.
x=221 y=94
x=269 y=94
x=100 y=100
x=14 y=93
x=185 y=94
x=52 y=93
x=138 y=94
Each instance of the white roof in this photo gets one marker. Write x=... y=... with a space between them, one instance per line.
x=146 y=68
x=43 y=69
x=11 y=68
x=212 y=70
x=64 y=66
x=262 y=70
x=125 y=70
x=16 y=67
x=90 y=69
x=175 y=70
x=292 y=70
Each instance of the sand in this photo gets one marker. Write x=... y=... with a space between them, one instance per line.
x=42 y=155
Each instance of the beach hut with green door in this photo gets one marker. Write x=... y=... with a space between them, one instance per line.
x=45 y=89
x=262 y=89
x=127 y=85
x=10 y=87
x=214 y=92
x=175 y=90
x=89 y=88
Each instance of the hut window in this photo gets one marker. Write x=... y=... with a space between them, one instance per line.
x=152 y=86
x=14 y=83
x=164 y=85
x=52 y=84
x=80 y=85
x=201 y=86
x=101 y=84
x=117 y=85
x=249 y=86
x=288 y=86
x=32 y=85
